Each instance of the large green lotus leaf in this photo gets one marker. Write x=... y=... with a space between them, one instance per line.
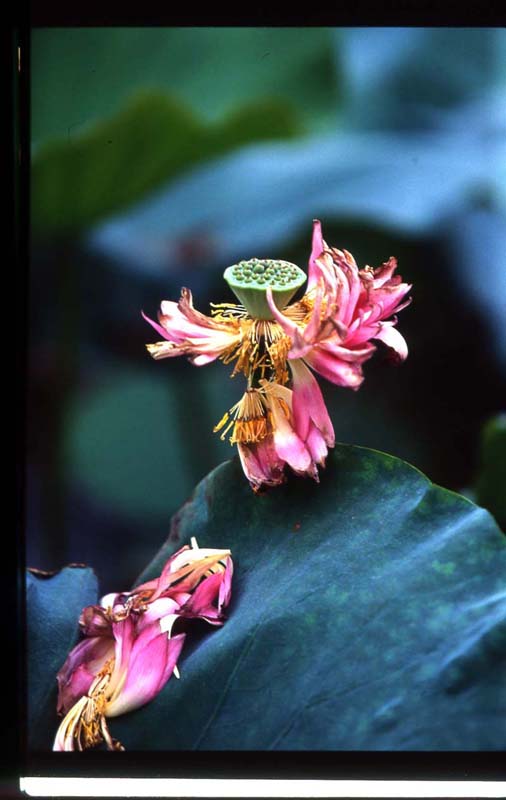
x=53 y=605
x=368 y=612
x=78 y=180
x=491 y=485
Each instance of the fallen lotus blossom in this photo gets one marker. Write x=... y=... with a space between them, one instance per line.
x=282 y=419
x=129 y=651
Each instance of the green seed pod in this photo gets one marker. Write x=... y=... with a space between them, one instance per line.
x=250 y=279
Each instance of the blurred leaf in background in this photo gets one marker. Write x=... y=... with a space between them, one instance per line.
x=375 y=160
x=412 y=78
x=145 y=145
x=83 y=75
x=239 y=85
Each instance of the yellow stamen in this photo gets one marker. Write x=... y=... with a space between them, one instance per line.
x=301 y=311
x=248 y=418
x=223 y=312
x=262 y=350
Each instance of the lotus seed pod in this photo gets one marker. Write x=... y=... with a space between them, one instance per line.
x=250 y=282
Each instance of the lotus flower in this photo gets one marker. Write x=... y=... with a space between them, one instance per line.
x=282 y=419
x=129 y=653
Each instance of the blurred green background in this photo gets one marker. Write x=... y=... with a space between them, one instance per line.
x=161 y=156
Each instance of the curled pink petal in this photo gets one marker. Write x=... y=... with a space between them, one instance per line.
x=190 y=333
x=158 y=328
x=288 y=325
x=393 y=339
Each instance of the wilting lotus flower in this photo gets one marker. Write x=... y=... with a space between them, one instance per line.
x=270 y=431
x=129 y=652
x=329 y=330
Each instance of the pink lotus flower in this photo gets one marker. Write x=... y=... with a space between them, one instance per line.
x=129 y=652
x=330 y=329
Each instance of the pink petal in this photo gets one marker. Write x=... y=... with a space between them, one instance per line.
x=302 y=340
x=353 y=354
x=288 y=445
x=145 y=588
x=271 y=465
x=203 y=596
x=124 y=635
x=202 y=360
x=340 y=372
x=151 y=664
x=191 y=333
x=76 y=688
x=288 y=325
x=158 y=328
x=316 y=445
x=180 y=597
x=261 y=464
x=384 y=273
x=313 y=327
x=389 y=299
x=350 y=269
x=95 y=622
x=202 y=601
x=308 y=404
x=226 y=584
x=109 y=600
x=317 y=248
x=392 y=338
x=182 y=319
x=187 y=567
x=187 y=308
x=81 y=666
x=163 y=583
x=156 y=610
